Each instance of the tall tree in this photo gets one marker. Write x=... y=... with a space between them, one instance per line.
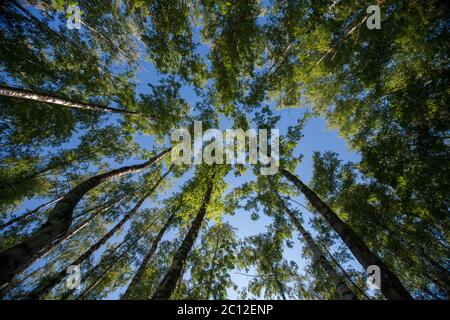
x=47 y=284
x=8 y=91
x=168 y=284
x=143 y=266
x=60 y=219
x=374 y=211
x=391 y=286
x=211 y=184
x=318 y=256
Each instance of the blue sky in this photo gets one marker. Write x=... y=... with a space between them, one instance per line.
x=317 y=137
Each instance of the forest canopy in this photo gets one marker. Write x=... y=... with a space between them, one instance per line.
x=342 y=149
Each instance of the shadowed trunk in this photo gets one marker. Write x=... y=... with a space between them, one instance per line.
x=79 y=227
x=318 y=256
x=28 y=95
x=168 y=284
x=391 y=286
x=29 y=213
x=73 y=231
x=68 y=293
x=59 y=220
x=137 y=277
x=46 y=286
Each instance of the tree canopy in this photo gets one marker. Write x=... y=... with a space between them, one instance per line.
x=88 y=178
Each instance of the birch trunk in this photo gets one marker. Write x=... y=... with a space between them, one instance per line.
x=29 y=213
x=13 y=283
x=137 y=277
x=318 y=256
x=59 y=220
x=28 y=95
x=111 y=266
x=168 y=284
x=46 y=286
x=391 y=287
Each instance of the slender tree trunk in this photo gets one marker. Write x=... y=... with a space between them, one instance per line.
x=78 y=228
x=168 y=284
x=278 y=282
x=319 y=257
x=178 y=288
x=111 y=43
x=29 y=213
x=212 y=270
x=28 y=95
x=391 y=286
x=112 y=265
x=13 y=283
x=42 y=253
x=140 y=272
x=59 y=220
x=440 y=276
x=45 y=286
x=47 y=29
x=103 y=207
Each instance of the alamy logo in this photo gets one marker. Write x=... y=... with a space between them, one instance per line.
x=222 y=146
x=73 y=280
x=374 y=279
x=374 y=20
x=73 y=17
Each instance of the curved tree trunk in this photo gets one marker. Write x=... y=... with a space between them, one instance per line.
x=46 y=285
x=28 y=95
x=59 y=220
x=74 y=230
x=14 y=282
x=319 y=257
x=137 y=277
x=168 y=284
x=391 y=286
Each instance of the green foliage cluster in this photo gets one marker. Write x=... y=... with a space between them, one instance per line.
x=386 y=92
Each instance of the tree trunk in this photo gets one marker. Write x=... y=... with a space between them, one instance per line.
x=42 y=253
x=140 y=272
x=112 y=265
x=212 y=270
x=29 y=213
x=110 y=42
x=278 y=282
x=78 y=228
x=168 y=284
x=59 y=220
x=318 y=256
x=103 y=207
x=45 y=286
x=28 y=95
x=391 y=286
